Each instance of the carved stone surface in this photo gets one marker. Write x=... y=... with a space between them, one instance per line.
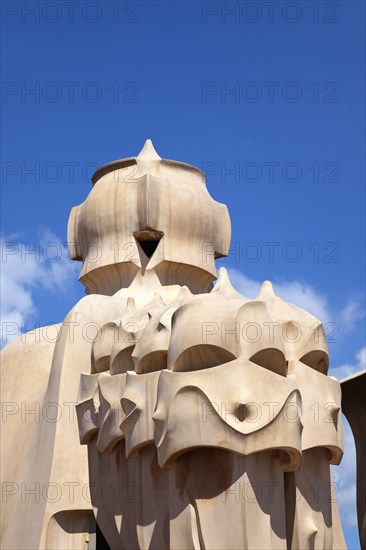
x=204 y=419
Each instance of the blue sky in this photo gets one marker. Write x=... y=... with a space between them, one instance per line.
x=267 y=98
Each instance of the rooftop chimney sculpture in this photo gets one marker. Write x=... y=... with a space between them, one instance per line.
x=204 y=419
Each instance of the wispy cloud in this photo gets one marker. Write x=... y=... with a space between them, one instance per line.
x=27 y=268
x=350 y=368
x=295 y=292
x=353 y=311
x=304 y=295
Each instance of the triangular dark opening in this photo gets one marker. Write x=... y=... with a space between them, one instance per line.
x=148 y=239
x=148 y=247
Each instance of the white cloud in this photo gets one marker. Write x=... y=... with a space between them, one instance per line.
x=242 y=283
x=352 y=312
x=304 y=295
x=295 y=292
x=348 y=368
x=27 y=268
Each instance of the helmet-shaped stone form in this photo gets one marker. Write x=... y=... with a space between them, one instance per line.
x=148 y=213
x=207 y=419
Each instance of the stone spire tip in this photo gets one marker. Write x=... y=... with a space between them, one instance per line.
x=266 y=291
x=148 y=152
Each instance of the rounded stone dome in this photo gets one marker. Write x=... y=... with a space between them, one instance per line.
x=148 y=213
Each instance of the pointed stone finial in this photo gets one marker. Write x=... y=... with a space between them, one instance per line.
x=223 y=281
x=266 y=292
x=148 y=152
x=224 y=286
